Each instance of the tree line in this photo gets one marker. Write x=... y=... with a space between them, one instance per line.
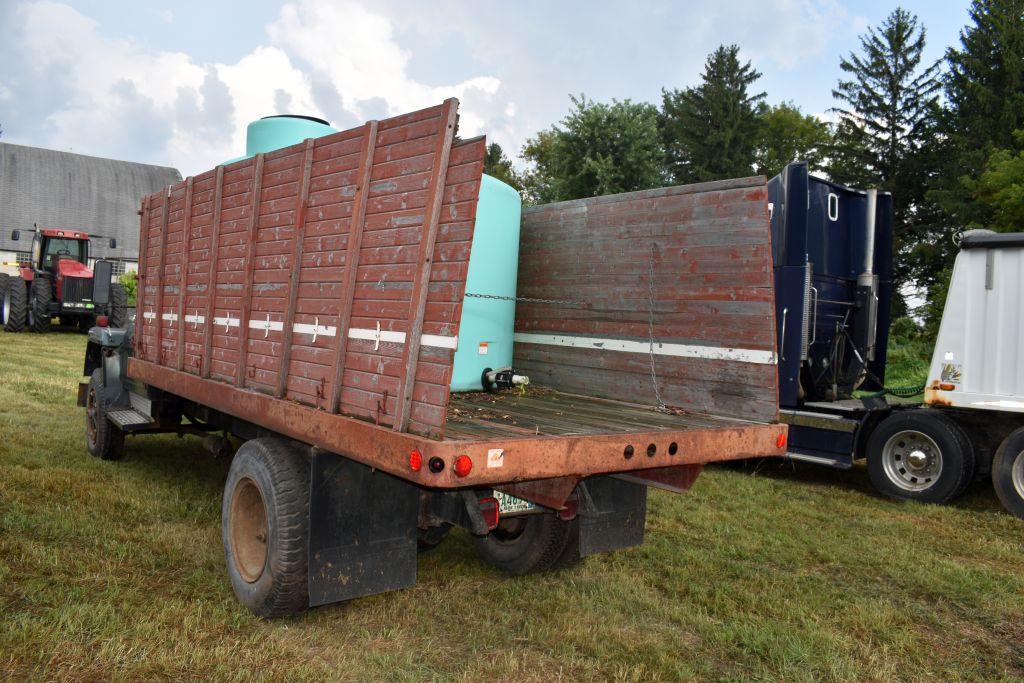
x=945 y=138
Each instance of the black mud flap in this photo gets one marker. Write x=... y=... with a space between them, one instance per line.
x=362 y=531
x=612 y=513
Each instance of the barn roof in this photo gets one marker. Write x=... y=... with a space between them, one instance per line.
x=74 y=191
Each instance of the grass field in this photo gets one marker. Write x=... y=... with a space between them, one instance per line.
x=115 y=570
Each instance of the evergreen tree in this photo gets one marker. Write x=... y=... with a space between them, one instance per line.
x=785 y=135
x=984 y=88
x=597 y=149
x=890 y=100
x=710 y=131
x=498 y=165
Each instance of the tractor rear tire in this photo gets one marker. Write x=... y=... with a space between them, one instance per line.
x=526 y=544
x=265 y=527
x=104 y=440
x=118 y=305
x=15 y=304
x=40 y=295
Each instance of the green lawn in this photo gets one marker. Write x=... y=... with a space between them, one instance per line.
x=790 y=573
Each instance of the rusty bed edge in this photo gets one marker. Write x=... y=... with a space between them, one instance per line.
x=522 y=458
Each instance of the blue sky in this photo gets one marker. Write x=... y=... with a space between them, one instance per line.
x=175 y=83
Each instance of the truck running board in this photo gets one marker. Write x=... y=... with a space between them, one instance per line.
x=130 y=420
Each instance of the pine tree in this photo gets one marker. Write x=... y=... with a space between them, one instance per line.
x=984 y=88
x=890 y=100
x=710 y=131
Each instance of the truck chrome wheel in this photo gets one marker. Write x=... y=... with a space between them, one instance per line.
x=248 y=523
x=912 y=460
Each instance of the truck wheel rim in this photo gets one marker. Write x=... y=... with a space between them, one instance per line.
x=1017 y=474
x=248 y=522
x=912 y=460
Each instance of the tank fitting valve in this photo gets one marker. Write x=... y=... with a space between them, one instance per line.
x=502 y=378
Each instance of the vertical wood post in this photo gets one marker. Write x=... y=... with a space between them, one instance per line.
x=183 y=277
x=159 y=317
x=352 y=250
x=298 y=238
x=421 y=284
x=250 y=266
x=211 y=276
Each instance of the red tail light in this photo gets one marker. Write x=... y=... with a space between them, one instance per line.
x=463 y=465
x=102 y=320
x=490 y=510
x=415 y=460
x=780 y=440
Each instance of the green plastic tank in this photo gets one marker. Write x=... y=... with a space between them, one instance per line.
x=275 y=132
x=485 y=333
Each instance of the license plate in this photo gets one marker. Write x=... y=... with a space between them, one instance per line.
x=508 y=505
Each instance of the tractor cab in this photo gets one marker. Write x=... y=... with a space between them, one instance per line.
x=57 y=282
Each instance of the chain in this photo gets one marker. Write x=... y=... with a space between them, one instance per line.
x=650 y=326
x=525 y=299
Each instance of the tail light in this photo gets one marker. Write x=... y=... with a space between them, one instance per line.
x=463 y=465
x=415 y=460
x=780 y=440
x=490 y=509
x=102 y=321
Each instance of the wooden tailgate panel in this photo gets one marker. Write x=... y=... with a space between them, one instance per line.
x=687 y=268
x=337 y=268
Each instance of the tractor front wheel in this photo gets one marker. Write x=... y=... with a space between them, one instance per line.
x=118 y=305
x=40 y=295
x=104 y=440
x=15 y=304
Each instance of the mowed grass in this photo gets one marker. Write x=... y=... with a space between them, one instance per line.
x=115 y=570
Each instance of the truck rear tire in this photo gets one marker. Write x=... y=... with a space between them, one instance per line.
x=265 y=527
x=1008 y=473
x=920 y=455
x=527 y=543
x=118 y=305
x=40 y=295
x=15 y=304
x=104 y=440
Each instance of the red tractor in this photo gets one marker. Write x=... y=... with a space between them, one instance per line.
x=58 y=282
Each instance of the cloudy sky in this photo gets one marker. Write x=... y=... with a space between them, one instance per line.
x=176 y=83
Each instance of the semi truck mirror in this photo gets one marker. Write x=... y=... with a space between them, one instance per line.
x=15 y=235
x=101 y=274
x=113 y=243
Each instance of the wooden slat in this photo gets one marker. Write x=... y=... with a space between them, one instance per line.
x=158 y=319
x=211 y=279
x=186 y=230
x=418 y=301
x=246 y=308
x=355 y=241
x=298 y=239
x=140 y=276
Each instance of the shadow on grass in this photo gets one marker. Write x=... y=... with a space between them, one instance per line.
x=979 y=496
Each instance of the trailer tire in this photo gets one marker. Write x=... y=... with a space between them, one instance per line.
x=102 y=439
x=40 y=295
x=920 y=455
x=265 y=527
x=118 y=305
x=1008 y=473
x=15 y=304
x=526 y=543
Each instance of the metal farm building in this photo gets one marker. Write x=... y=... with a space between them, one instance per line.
x=77 y=192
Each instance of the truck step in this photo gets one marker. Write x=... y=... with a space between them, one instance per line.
x=130 y=419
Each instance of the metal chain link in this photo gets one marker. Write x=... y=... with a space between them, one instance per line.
x=650 y=327
x=526 y=299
